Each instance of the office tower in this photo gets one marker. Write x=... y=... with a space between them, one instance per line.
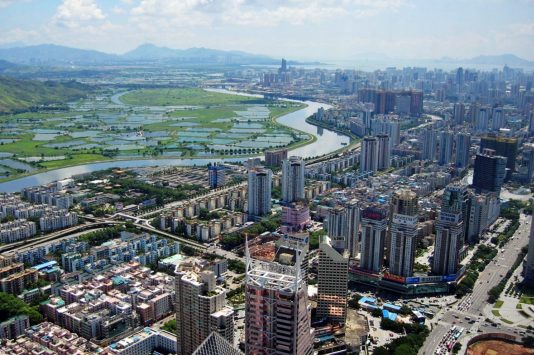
x=416 y=104
x=383 y=152
x=292 y=179
x=460 y=77
x=527 y=163
x=457 y=199
x=369 y=155
x=463 y=146
x=274 y=157
x=338 y=227
x=259 y=192
x=459 y=113
x=200 y=306
x=482 y=120
x=485 y=209
x=489 y=172
x=403 y=237
x=497 y=119
x=449 y=241
x=215 y=344
x=503 y=146
x=374 y=225
x=216 y=175
x=529 y=266
x=446 y=140
x=429 y=143
x=352 y=210
x=277 y=311
x=287 y=248
x=530 y=122
x=332 y=273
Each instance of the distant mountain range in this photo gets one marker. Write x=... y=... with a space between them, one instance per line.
x=500 y=60
x=51 y=54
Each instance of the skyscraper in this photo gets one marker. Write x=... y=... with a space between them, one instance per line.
x=403 y=233
x=374 y=225
x=292 y=179
x=497 y=119
x=489 y=172
x=352 y=209
x=456 y=199
x=332 y=274
x=503 y=146
x=446 y=140
x=259 y=192
x=459 y=113
x=274 y=157
x=449 y=241
x=200 y=306
x=529 y=266
x=369 y=155
x=338 y=228
x=463 y=145
x=429 y=142
x=277 y=312
x=527 y=163
x=384 y=161
x=216 y=175
x=482 y=120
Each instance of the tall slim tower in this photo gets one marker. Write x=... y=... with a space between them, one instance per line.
x=446 y=139
x=497 y=117
x=403 y=233
x=277 y=312
x=332 y=274
x=456 y=199
x=529 y=267
x=489 y=172
x=463 y=145
x=216 y=175
x=449 y=241
x=338 y=228
x=429 y=139
x=352 y=209
x=369 y=155
x=292 y=179
x=200 y=307
x=259 y=192
x=384 y=161
x=459 y=113
x=374 y=225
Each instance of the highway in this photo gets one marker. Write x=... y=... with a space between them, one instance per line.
x=474 y=307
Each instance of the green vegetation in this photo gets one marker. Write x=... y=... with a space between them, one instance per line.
x=232 y=240
x=236 y=296
x=170 y=326
x=205 y=214
x=496 y=312
x=353 y=302
x=526 y=300
x=11 y=306
x=184 y=97
x=236 y=266
x=406 y=345
x=24 y=95
x=499 y=304
x=496 y=291
x=103 y=235
x=315 y=238
x=482 y=257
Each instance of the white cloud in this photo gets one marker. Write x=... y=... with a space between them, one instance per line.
x=71 y=13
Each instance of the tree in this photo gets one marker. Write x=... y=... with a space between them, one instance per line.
x=377 y=312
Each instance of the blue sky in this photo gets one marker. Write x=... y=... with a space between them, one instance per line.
x=297 y=29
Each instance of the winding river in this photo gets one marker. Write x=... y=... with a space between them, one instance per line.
x=327 y=141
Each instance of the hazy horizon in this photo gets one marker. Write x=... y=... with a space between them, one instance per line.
x=323 y=30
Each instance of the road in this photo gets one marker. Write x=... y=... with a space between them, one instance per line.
x=474 y=306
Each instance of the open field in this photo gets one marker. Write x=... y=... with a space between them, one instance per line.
x=498 y=347
x=178 y=123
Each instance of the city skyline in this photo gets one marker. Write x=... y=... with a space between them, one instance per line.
x=358 y=31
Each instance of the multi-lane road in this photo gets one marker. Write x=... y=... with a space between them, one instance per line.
x=471 y=311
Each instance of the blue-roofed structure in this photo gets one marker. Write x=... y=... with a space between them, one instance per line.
x=45 y=265
x=389 y=315
x=391 y=307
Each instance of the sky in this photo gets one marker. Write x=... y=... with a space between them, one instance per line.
x=295 y=29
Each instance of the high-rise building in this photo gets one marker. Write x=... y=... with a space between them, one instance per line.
x=456 y=199
x=446 y=139
x=214 y=344
x=403 y=233
x=489 y=172
x=449 y=241
x=459 y=113
x=374 y=225
x=497 y=119
x=531 y=122
x=200 y=307
x=332 y=274
x=277 y=311
x=274 y=157
x=369 y=155
x=482 y=120
x=529 y=266
x=259 y=192
x=386 y=124
x=216 y=175
x=429 y=144
x=292 y=179
x=352 y=209
x=503 y=146
x=337 y=228
x=384 y=152
x=295 y=217
x=485 y=209
x=463 y=146
x=527 y=162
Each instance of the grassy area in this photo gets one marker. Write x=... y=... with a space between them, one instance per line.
x=526 y=300
x=518 y=306
x=499 y=304
x=506 y=321
x=183 y=97
x=496 y=312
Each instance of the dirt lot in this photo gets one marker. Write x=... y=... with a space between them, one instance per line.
x=497 y=347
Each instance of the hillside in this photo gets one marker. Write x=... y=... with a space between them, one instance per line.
x=21 y=95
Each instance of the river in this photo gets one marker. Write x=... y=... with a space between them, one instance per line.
x=327 y=141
